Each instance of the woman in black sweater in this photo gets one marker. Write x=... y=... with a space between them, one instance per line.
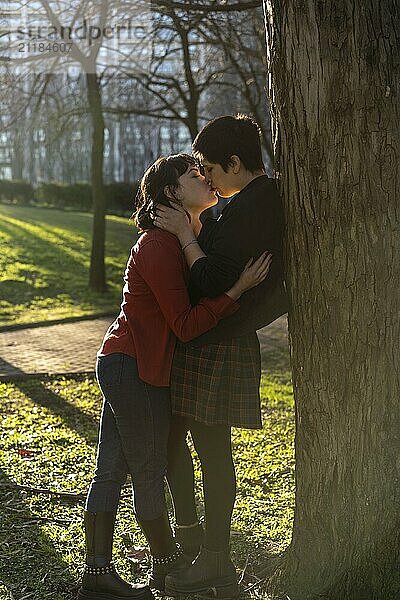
x=215 y=380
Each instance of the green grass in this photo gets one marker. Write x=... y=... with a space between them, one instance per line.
x=48 y=440
x=44 y=264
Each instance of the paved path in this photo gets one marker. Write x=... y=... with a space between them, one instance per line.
x=71 y=347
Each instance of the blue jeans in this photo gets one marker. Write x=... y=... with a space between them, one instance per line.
x=133 y=439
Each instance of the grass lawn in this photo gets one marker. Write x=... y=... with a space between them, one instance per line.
x=44 y=264
x=48 y=440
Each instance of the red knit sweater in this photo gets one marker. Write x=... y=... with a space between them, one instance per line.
x=156 y=309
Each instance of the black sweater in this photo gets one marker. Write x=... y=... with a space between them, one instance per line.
x=251 y=223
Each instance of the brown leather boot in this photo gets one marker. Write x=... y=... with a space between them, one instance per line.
x=100 y=580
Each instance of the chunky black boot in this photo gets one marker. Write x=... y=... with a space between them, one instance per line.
x=162 y=566
x=166 y=556
x=190 y=538
x=211 y=574
x=100 y=579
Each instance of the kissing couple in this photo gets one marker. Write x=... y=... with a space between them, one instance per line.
x=183 y=357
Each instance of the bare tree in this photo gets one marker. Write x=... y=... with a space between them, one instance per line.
x=176 y=77
x=334 y=95
x=200 y=61
x=241 y=37
x=96 y=55
x=183 y=69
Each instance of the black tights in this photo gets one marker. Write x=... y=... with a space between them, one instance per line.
x=213 y=447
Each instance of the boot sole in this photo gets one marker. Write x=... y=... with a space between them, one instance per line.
x=88 y=595
x=213 y=589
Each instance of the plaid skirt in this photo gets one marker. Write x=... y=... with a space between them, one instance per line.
x=218 y=383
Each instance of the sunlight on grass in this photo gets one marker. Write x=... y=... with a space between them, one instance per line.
x=44 y=264
x=48 y=440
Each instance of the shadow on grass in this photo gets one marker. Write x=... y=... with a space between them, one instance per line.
x=81 y=223
x=10 y=289
x=27 y=555
x=72 y=230
x=35 y=245
x=52 y=272
x=45 y=261
x=85 y=425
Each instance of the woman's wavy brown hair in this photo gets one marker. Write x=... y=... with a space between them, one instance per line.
x=164 y=172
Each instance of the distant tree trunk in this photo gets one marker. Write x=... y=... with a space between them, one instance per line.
x=18 y=154
x=97 y=275
x=111 y=156
x=192 y=120
x=192 y=101
x=335 y=102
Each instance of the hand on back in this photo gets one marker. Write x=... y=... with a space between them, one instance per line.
x=253 y=274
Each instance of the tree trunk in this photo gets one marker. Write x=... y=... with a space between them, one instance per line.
x=335 y=103
x=17 y=164
x=192 y=121
x=192 y=101
x=97 y=275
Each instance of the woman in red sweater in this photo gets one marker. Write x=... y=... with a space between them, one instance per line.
x=133 y=372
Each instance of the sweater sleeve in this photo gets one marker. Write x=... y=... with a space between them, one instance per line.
x=218 y=271
x=162 y=268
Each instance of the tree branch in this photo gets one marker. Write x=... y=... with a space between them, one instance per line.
x=214 y=7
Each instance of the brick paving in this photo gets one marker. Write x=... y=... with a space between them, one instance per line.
x=71 y=347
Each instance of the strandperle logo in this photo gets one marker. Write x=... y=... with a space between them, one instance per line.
x=48 y=36
x=82 y=32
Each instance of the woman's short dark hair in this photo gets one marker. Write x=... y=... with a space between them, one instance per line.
x=226 y=136
x=164 y=172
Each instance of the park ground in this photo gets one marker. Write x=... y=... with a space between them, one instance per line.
x=49 y=425
x=44 y=262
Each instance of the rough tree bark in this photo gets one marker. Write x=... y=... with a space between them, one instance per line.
x=335 y=102
x=97 y=274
